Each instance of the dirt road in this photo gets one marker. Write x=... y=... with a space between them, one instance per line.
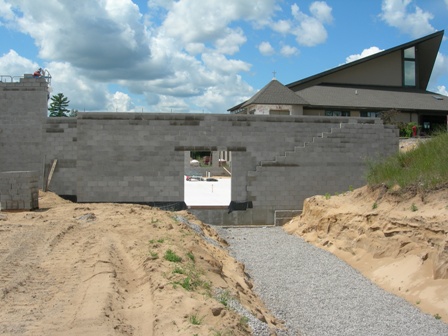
x=76 y=269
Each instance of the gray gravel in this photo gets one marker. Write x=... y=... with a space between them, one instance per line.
x=316 y=293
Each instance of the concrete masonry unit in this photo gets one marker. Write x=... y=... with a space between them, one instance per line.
x=277 y=161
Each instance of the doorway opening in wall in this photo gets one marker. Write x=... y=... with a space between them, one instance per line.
x=208 y=178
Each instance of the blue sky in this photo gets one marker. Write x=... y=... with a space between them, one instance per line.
x=201 y=55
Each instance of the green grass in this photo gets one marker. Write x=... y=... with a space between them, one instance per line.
x=424 y=167
x=190 y=256
x=224 y=297
x=178 y=270
x=195 y=319
x=171 y=256
x=244 y=322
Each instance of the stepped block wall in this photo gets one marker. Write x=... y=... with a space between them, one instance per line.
x=332 y=163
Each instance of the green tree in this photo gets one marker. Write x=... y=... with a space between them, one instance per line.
x=58 y=106
x=73 y=113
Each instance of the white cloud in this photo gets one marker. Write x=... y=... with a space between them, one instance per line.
x=231 y=42
x=310 y=30
x=266 y=49
x=446 y=1
x=441 y=89
x=176 y=56
x=282 y=26
x=440 y=66
x=120 y=102
x=13 y=64
x=84 y=93
x=364 y=53
x=6 y=10
x=321 y=11
x=439 y=71
x=202 y=21
x=289 y=51
x=395 y=13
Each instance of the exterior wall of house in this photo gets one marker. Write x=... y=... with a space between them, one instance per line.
x=312 y=112
x=296 y=110
x=386 y=70
x=265 y=109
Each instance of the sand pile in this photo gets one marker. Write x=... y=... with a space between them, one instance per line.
x=397 y=239
x=122 y=269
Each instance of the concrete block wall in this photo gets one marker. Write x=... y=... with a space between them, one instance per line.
x=331 y=163
x=141 y=157
x=19 y=190
x=60 y=143
x=23 y=111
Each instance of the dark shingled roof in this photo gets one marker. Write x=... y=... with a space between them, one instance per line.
x=376 y=98
x=275 y=93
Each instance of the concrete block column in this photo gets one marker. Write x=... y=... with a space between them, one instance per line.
x=19 y=190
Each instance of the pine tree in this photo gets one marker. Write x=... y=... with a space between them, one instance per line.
x=58 y=106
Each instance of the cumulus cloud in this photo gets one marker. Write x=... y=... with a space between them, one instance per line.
x=441 y=89
x=321 y=11
x=208 y=20
x=289 y=51
x=6 y=11
x=364 y=53
x=120 y=102
x=265 y=48
x=310 y=29
x=181 y=55
x=13 y=63
x=396 y=13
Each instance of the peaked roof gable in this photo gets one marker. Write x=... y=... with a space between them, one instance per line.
x=275 y=93
x=380 y=66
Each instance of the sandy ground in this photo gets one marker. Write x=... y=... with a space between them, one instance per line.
x=398 y=240
x=100 y=269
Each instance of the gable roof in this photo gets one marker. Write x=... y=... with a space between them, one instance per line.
x=274 y=93
x=426 y=52
x=358 y=97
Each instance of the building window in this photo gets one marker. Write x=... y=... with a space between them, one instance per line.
x=370 y=114
x=337 y=113
x=409 y=67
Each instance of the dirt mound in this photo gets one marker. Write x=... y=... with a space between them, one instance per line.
x=397 y=239
x=100 y=269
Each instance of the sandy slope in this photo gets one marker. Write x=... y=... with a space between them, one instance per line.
x=398 y=240
x=99 y=269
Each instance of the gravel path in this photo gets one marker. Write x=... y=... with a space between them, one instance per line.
x=318 y=294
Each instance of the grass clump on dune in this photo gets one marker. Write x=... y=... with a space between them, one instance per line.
x=425 y=167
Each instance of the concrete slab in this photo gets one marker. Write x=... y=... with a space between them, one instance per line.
x=208 y=193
